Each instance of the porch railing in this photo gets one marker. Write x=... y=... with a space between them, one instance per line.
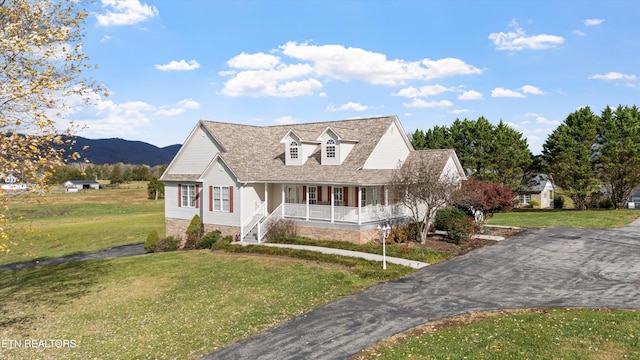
x=265 y=224
x=369 y=213
x=253 y=220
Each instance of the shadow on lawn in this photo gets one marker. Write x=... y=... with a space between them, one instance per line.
x=45 y=287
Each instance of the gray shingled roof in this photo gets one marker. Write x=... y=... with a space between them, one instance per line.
x=255 y=154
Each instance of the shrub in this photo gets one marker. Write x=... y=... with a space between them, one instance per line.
x=282 y=229
x=223 y=243
x=558 y=202
x=207 y=241
x=457 y=223
x=194 y=232
x=169 y=243
x=534 y=203
x=152 y=241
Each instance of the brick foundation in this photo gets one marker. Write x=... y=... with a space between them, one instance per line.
x=178 y=228
x=354 y=236
x=233 y=231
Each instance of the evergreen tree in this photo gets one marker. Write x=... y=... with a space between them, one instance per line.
x=567 y=154
x=617 y=158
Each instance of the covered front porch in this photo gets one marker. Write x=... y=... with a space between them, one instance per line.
x=315 y=205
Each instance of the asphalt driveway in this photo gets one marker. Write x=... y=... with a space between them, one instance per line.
x=553 y=267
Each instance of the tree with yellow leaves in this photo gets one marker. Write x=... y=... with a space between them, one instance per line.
x=41 y=77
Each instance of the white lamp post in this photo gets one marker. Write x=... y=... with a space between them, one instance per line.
x=385 y=230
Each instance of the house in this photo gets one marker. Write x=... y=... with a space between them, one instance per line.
x=633 y=202
x=329 y=178
x=10 y=183
x=77 y=185
x=539 y=188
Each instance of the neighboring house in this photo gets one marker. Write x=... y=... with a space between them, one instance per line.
x=539 y=188
x=10 y=183
x=77 y=185
x=633 y=202
x=328 y=177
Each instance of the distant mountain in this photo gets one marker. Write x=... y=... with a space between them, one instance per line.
x=115 y=150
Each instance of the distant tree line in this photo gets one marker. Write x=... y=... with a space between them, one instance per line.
x=114 y=173
x=594 y=160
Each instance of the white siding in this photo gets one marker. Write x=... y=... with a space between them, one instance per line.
x=451 y=171
x=195 y=154
x=219 y=175
x=390 y=150
x=252 y=197
x=171 y=200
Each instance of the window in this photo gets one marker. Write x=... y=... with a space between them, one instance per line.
x=524 y=198
x=363 y=196
x=313 y=195
x=374 y=196
x=293 y=150
x=331 y=148
x=188 y=195
x=337 y=195
x=221 y=198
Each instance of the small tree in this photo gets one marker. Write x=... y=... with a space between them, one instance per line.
x=484 y=196
x=194 y=233
x=422 y=186
x=155 y=188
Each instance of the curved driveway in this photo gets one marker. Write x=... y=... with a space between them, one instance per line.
x=553 y=267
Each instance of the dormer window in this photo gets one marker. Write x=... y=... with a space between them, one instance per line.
x=293 y=150
x=331 y=148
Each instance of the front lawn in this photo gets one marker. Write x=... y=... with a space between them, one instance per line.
x=177 y=305
x=528 y=334
x=539 y=218
x=67 y=223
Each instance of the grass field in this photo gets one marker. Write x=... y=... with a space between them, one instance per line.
x=65 y=223
x=177 y=305
x=539 y=218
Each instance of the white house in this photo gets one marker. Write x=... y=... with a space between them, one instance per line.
x=76 y=185
x=328 y=177
x=539 y=188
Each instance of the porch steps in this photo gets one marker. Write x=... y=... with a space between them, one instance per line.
x=251 y=237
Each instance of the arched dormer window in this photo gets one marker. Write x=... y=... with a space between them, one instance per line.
x=331 y=148
x=293 y=150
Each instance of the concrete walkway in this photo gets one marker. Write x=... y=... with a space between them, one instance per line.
x=552 y=267
x=411 y=263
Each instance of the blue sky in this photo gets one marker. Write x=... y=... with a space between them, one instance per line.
x=168 y=64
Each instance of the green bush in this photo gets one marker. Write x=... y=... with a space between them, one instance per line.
x=207 y=241
x=152 y=241
x=223 y=243
x=457 y=223
x=169 y=243
x=534 y=203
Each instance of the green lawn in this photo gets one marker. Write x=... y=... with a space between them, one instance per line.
x=66 y=223
x=538 y=218
x=177 y=305
x=540 y=334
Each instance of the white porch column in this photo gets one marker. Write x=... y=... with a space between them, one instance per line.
x=282 y=201
x=266 y=199
x=306 y=196
x=386 y=196
x=359 y=202
x=333 y=198
x=241 y=212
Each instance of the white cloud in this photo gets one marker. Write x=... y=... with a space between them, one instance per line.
x=253 y=61
x=423 y=91
x=531 y=114
x=263 y=74
x=613 y=76
x=125 y=12
x=419 y=103
x=502 y=92
x=593 y=22
x=519 y=40
x=105 y=38
x=272 y=82
x=530 y=89
x=179 y=108
x=544 y=120
x=459 y=111
x=579 y=32
x=350 y=106
x=179 y=66
x=470 y=95
x=284 y=120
